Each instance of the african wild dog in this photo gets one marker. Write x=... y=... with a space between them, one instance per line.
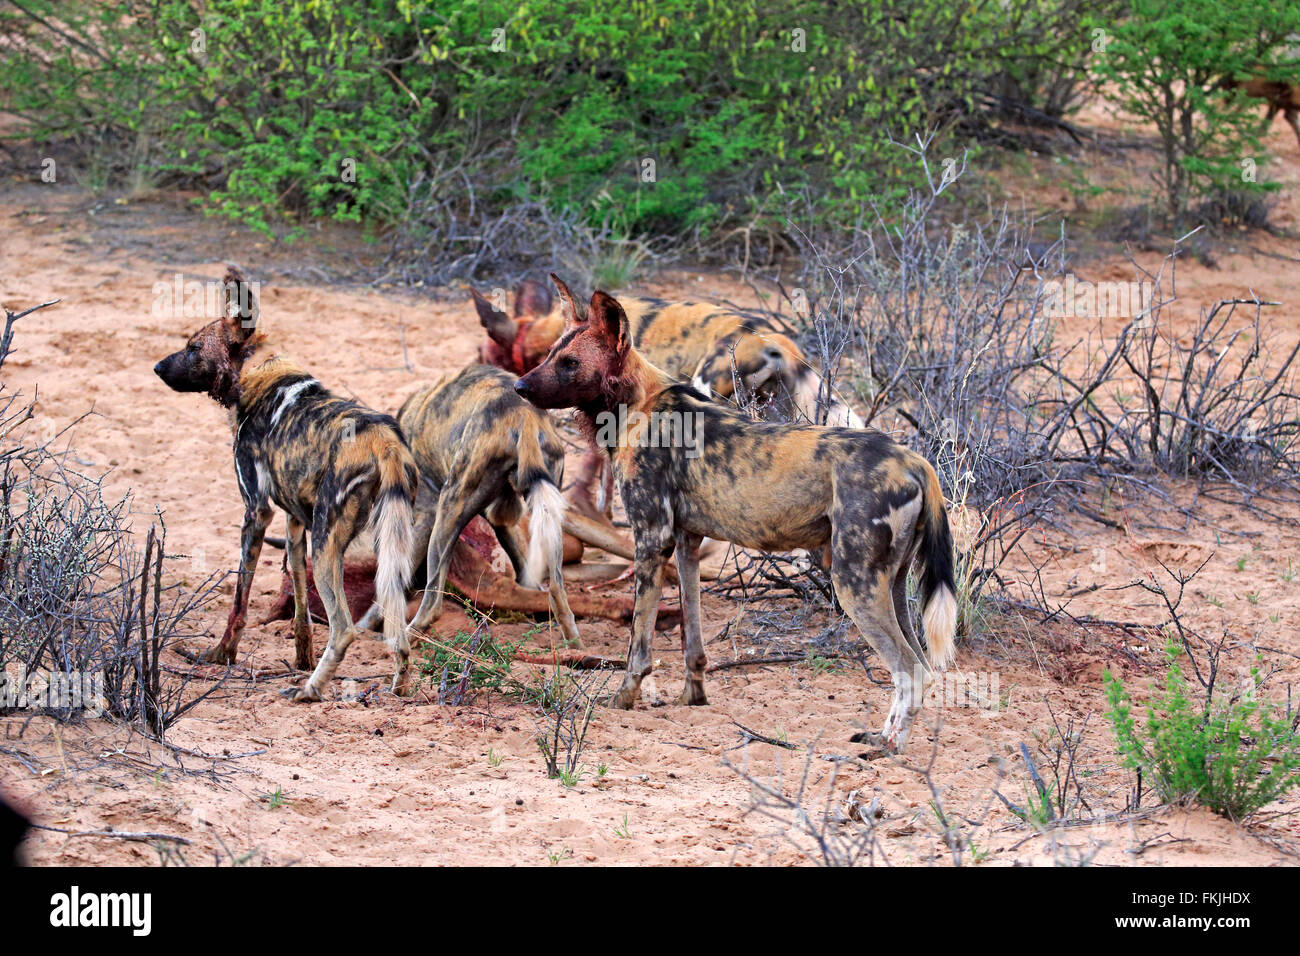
x=721 y=351
x=877 y=505
x=724 y=353
x=485 y=450
x=332 y=465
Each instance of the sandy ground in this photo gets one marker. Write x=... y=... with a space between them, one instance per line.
x=383 y=780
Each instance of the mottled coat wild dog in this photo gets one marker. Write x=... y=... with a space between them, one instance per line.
x=485 y=450
x=721 y=351
x=761 y=485
x=332 y=465
x=724 y=353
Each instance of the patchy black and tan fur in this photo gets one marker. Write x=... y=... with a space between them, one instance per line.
x=333 y=466
x=722 y=351
x=727 y=354
x=875 y=505
x=484 y=450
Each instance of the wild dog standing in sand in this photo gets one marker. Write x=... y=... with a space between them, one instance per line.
x=725 y=353
x=877 y=505
x=332 y=465
x=486 y=450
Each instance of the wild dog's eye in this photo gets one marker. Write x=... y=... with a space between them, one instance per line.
x=568 y=362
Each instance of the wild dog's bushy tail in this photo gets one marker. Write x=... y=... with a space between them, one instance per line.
x=546 y=507
x=392 y=523
x=938 y=586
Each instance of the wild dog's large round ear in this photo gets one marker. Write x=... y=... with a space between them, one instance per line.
x=239 y=308
x=572 y=316
x=609 y=319
x=532 y=299
x=500 y=327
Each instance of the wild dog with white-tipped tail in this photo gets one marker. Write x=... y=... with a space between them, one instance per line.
x=486 y=451
x=333 y=466
x=875 y=505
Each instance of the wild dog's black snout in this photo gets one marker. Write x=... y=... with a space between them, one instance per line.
x=182 y=373
x=524 y=389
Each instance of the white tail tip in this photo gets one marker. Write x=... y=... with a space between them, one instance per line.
x=546 y=507
x=939 y=622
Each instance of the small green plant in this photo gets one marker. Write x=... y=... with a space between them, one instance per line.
x=1252 y=597
x=565 y=708
x=555 y=857
x=494 y=758
x=1233 y=756
x=1214 y=600
x=274 y=801
x=623 y=831
x=571 y=778
x=466 y=663
x=617 y=263
x=825 y=665
x=602 y=770
x=1241 y=563
x=1289 y=574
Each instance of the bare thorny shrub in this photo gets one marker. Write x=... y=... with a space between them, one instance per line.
x=950 y=338
x=1215 y=402
x=855 y=829
x=81 y=603
x=449 y=235
x=565 y=704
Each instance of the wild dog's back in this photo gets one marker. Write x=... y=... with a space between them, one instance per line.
x=469 y=414
x=760 y=485
x=488 y=451
x=313 y=445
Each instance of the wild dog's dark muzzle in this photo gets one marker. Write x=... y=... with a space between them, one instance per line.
x=178 y=373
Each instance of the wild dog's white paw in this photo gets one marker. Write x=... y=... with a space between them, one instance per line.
x=306 y=694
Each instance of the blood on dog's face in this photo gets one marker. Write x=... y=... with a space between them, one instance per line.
x=211 y=359
x=204 y=362
x=588 y=357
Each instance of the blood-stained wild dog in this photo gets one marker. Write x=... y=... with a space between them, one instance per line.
x=332 y=465
x=719 y=350
x=724 y=353
x=761 y=485
x=485 y=450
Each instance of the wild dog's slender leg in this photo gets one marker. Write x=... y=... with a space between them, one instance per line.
x=865 y=596
x=654 y=546
x=688 y=577
x=510 y=545
x=327 y=569
x=251 y=535
x=295 y=548
x=901 y=615
x=868 y=548
x=560 y=606
x=457 y=504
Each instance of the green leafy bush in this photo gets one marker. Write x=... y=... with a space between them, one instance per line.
x=1171 y=63
x=672 y=117
x=1233 y=756
x=468 y=662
